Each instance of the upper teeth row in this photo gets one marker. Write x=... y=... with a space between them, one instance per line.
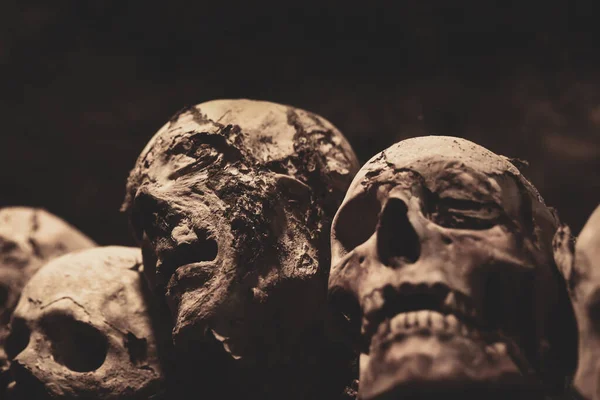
x=430 y=319
x=428 y=322
x=452 y=303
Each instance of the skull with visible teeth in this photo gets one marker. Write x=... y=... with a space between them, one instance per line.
x=442 y=274
x=29 y=237
x=232 y=202
x=84 y=329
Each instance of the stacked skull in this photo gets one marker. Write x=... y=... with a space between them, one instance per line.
x=232 y=202
x=443 y=276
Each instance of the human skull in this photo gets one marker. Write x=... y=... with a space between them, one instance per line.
x=442 y=275
x=232 y=201
x=29 y=237
x=83 y=328
x=579 y=262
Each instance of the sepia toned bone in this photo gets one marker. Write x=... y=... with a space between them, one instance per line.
x=232 y=201
x=579 y=262
x=85 y=328
x=29 y=237
x=443 y=278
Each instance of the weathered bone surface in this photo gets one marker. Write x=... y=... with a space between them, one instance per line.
x=232 y=201
x=83 y=328
x=579 y=262
x=29 y=237
x=443 y=276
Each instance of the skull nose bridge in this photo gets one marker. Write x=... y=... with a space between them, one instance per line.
x=191 y=241
x=197 y=239
x=146 y=207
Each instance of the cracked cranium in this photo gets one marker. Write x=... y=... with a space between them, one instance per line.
x=83 y=328
x=29 y=237
x=232 y=201
x=443 y=276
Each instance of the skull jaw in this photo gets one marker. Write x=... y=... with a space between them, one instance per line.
x=423 y=366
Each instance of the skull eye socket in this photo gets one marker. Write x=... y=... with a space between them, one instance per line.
x=466 y=214
x=18 y=339
x=76 y=345
x=356 y=221
x=146 y=215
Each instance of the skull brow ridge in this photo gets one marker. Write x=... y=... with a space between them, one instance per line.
x=84 y=310
x=371 y=179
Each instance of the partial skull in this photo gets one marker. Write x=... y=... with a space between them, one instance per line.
x=29 y=237
x=443 y=278
x=84 y=329
x=579 y=263
x=232 y=202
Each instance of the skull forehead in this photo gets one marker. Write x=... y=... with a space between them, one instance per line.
x=446 y=163
x=258 y=133
x=260 y=121
x=421 y=152
x=91 y=278
x=264 y=131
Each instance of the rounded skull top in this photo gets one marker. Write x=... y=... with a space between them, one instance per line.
x=232 y=202
x=29 y=237
x=443 y=276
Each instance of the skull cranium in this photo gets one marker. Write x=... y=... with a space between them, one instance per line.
x=442 y=272
x=83 y=328
x=232 y=201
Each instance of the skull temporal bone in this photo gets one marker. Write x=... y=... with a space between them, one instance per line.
x=441 y=264
x=231 y=200
x=84 y=329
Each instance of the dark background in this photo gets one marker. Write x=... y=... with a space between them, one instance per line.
x=85 y=84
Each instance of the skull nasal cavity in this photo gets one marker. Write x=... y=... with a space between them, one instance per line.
x=397 y=241
x=202 y=248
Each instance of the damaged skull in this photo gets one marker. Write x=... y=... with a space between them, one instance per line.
x=29 y=237
x=443 y=277
x=232 y=201
x=579 y=262
x=83 y=329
